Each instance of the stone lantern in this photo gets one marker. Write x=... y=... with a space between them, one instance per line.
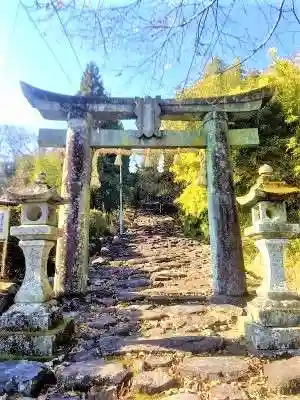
x=34 y=324
x=273 y=317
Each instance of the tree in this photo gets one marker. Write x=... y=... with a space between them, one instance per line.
x=278 y=124
x=16 y=141
x=91 y=85
x=30 y=166
x=105 y=175
x=91 y=82
x=215 y=67
x=109 y=195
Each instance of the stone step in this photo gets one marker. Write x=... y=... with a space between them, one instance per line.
x=116 y=345
x=214 y=368
x=154 y=382
x=83 y=375
x=27 y=378
x=168 y=295
x=165 y=275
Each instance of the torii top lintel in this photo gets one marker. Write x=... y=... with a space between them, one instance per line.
x=57 y=107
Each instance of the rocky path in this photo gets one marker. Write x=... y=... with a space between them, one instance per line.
x=147 y=329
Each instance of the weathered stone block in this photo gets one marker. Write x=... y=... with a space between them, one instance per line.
x=53 y=393
x=284 y=375
x=280 y=313
x=31 y=317
x=153 y=382
x=272 y=338
x=39 y=214
x=85 y=374
x=212 y=368
x=156 y=361
x=36 y=343
x=24 y=377
x=226 y=391
x=103 y=393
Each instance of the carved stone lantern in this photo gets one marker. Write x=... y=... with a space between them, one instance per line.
x=33 y=325
x=273 y=318
x=37 y=234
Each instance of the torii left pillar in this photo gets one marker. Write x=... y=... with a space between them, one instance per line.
x=72 y=251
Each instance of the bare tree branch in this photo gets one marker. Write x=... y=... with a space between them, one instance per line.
x=164 y=32
x=16 y=142
x=294 y=12
x=268 y=37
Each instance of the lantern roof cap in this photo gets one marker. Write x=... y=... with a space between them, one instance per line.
x=267 y=188
x=38 y=192
x=5 y=200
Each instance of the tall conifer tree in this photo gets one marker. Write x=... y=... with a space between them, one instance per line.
x=105 y=175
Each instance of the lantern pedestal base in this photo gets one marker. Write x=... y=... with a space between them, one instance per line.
x=33 y=317
x=35 y=344
x=272 y=324
x=272 y=338
x=33 y=330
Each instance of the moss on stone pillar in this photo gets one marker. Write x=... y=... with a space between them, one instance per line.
x=73 y=247
x=225 y=237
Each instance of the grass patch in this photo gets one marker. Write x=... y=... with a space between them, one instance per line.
x=128 y=362
x=123 y=304
x=120 y=359
x=20 y=357
x=292 y=265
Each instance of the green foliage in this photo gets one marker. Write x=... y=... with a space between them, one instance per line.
x=104 y=177
x=52 y=164
x=24 y=171
x=154 y=185
x=91 y=82
x=107 y=195
x=278 y=124
x=215 y=67
x=196 y=227
x=29 y=167
x=98 y=224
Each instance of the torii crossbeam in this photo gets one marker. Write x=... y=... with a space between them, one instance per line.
x=217 y=114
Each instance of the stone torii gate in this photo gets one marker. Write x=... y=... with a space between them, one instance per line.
x=217 y=115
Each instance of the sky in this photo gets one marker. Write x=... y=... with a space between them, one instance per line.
x=24 y=56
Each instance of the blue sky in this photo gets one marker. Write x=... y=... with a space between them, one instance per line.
x=24 y=56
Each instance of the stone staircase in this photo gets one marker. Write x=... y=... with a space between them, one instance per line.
x=148 y=329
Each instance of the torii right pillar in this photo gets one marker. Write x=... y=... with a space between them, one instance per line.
x=228 y=272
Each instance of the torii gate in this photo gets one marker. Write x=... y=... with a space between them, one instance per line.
x=216 y=113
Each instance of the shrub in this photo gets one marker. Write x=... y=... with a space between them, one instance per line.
x=98 y=227
x=196 y=227
x=98 y=224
